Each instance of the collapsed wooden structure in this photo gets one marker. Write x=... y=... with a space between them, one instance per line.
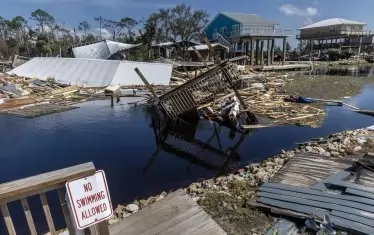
x=203 y=89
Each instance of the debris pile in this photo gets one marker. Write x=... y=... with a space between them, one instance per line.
x=19 y=92
x=262 y=93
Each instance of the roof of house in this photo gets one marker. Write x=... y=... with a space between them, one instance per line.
x=251 y=19
x=205 y=47
x=94 y=72
x=331 y=22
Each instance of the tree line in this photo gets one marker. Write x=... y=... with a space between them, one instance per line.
x=47 y=37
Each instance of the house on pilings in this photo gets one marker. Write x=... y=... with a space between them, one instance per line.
x=247 y=34
x=335 y=33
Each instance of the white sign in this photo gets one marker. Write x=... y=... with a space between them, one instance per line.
x=90 y=200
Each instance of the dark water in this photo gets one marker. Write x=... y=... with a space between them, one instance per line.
x=122 y=142
x=349 y=70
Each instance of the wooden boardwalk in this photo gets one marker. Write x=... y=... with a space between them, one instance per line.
x=286 y=67
x=177 y=213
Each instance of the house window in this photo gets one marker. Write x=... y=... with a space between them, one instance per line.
x=223 y=30
x=214 y=30
x=236 y=28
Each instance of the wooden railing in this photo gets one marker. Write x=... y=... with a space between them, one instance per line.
x=39 y=185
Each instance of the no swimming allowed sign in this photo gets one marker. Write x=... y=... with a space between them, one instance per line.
x=90 y=200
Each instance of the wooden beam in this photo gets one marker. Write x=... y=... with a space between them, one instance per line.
x=47 y=213
x=30 y=186
x=30 y=220
x=217 y=60
x=150 y=88
x=8 y=220
x=200 y=57
x=100 y=229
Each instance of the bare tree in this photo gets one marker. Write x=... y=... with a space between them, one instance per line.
x=100 y=20
x=116 y=27
x=84 y=27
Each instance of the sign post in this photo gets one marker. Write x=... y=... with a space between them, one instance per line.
x=90 y=200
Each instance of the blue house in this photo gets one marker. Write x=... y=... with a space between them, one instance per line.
x=240 y=32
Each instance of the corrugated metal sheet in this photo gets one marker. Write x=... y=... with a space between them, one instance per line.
x=331 y=22
x=155 y=73
x=100 y=50
x=95 y=73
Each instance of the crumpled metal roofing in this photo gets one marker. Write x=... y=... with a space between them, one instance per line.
x=92 y=72
x=101 y=50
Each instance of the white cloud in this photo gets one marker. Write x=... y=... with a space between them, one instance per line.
x=292 y=10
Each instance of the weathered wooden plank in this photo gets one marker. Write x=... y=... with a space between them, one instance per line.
x=8 y=220
x=177 y=213
x=47 y=213
x=317 y=204
x=34 y=185
x=305 y=170
x=323 y=198
x=155 y=213
x=318 y=193
x=65 y=210
x=100 y=229
x=30 y=220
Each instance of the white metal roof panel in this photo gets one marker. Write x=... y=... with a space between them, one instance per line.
x=331 y=22
x=155 y=73
x=94 y=73
x=73 y=71
x=101 y=50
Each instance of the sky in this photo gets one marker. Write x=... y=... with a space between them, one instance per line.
x=290 y=14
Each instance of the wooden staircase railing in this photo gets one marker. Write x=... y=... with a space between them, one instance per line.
x=39 y=185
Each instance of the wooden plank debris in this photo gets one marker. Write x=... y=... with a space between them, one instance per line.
x=177 y=213
x=306 y=170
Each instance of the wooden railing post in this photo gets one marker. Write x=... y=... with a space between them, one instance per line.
x=100 y=229
x=8 y=220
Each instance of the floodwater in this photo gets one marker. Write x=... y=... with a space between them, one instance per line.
x=139 y=160
x=348 y=70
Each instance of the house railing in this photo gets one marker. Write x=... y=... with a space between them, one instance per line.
x=258 y=31
x=333 y=33
x=20 y=190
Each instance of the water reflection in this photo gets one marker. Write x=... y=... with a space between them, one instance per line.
x=351 y=70
x=179 y=139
